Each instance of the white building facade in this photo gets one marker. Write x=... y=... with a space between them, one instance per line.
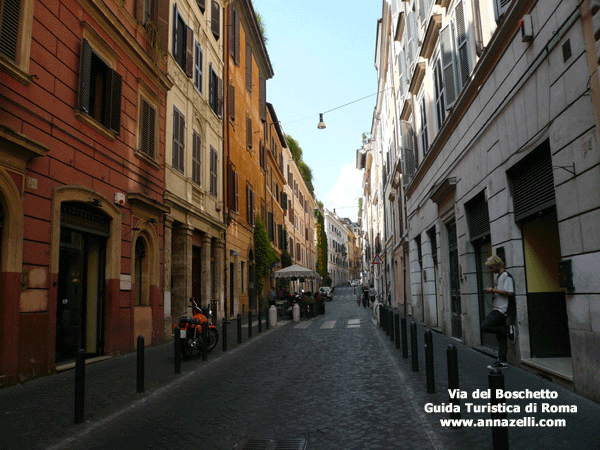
x=497 y=104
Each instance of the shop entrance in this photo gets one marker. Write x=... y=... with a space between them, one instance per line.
x=546 y=301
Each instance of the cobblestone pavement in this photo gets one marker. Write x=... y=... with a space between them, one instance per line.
x=336 y=380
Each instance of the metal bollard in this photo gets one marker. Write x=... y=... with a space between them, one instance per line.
x=140 y=364
x=429 y=372
x=259 y=321
x=177 y=346
x=267 y=324
x=79 y=386
x=239 y=328
x=224 y=333
x=413 y=347
x=499 y=434
x=391 y=324
x=404 y=337
x=250 y=324
x=397 y=329
x=452 y=358
x=205 y=341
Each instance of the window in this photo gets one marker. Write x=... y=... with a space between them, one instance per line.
x=196 y=158
x=148 y=129
x=233 y=190
x=178 y=140
x=242 y=284
x=146 y=11
x=198 y=72
x=248 y=67
x=183 y=38
x=424 y=137
x=440 y=107
x=250 y=205
x=99 y=89
x=500 y=7
x=215 y=19
x=213 y=171
x=249 y=133
x=16 y=18
x=215 y=88
x=234 y=34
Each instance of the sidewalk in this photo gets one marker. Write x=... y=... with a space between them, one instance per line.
x=581 y=430
x=41 y=411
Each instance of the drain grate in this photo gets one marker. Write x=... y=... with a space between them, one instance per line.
x=272 y=444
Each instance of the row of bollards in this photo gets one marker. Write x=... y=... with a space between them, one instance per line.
x=395 y=326
x=79 y=402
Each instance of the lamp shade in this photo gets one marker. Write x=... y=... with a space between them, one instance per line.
x=321 y=124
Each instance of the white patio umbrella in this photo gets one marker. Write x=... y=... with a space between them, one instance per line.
x=297 y=271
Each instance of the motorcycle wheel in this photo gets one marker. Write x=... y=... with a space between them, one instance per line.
x=213 y=338
x=187 y=349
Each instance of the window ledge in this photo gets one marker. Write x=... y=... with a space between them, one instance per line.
x=93 y=123
x=12 y=69
x=140 y=154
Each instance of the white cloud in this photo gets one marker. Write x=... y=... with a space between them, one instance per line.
x=345 y=193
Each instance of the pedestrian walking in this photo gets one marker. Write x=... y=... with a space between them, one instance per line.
x=372 y=294
x=503 y=306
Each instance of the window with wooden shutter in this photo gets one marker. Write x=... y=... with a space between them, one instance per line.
x=236 y=194
x=500 y=7
x=408 y=158
x=231 y=97
x=424 y=129
x=215 y=19
x=178 y=140
x=146 y=11
x=214 y=94
x=214 y=159
x=9 y=28
x=478 y=217
x=148 y=129
x=262 y=94
x=462 y=44
x=248 y=67
x=440 y=107
x=202 y=5
x=198 y=68
x=99 y=89
x=189 y=52
x=196 y=158
x=248 y=132
x=450 y=91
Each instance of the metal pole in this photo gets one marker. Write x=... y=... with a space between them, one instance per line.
x=413 y=347
x=140 y=364
x=205 y=341
x=397 y=329
x=429 y=362
x=177 y=346
x=452 y=358
x=79 y=386
x=249 y=324
x=404 y=337
x=224 y=333
x=499 y=434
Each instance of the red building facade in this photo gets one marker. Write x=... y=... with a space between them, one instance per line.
x=82 y=137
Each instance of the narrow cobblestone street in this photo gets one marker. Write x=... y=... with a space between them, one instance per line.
x=332 y=385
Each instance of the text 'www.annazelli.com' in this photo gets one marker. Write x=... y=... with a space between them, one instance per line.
x=518 y=423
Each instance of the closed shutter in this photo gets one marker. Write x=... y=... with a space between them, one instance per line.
x=85 y=69
x=215 y=19
x=248 y=67
x=148 y=129
x=163 y=25
x=231 y=106
x=500 y=7
x=175 y=30
x=478 y=217
x=533 y=183
x=248 y=132
x=231 y=28
x=9 y=28
x=262 y=98
x=284 y=201
x=220 y=99
x=462 y=41
x=189 y=53
x=115 y=82
x=448 y=66
x=139 y=11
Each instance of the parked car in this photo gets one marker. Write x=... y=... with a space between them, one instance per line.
x=326 y=292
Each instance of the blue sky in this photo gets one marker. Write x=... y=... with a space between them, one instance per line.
x=323 y=55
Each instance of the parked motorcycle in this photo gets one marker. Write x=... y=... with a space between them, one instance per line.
x=191 y=330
